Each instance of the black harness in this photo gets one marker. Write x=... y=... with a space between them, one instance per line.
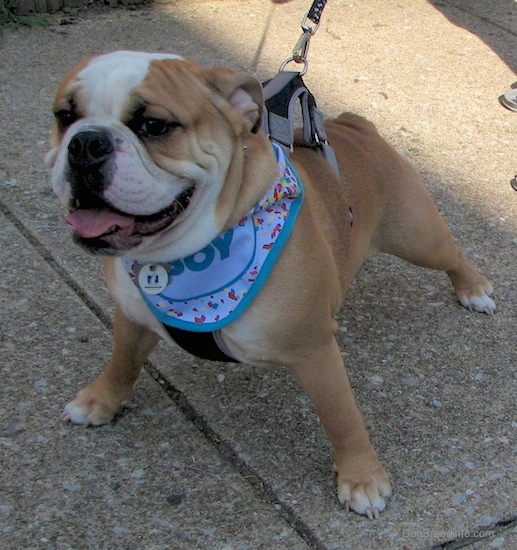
x=204 y=345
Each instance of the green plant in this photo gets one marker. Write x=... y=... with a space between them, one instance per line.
x=8 y=16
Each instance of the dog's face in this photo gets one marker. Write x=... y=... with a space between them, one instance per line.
x=143 y=145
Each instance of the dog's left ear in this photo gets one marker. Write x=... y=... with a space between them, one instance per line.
x=243 y=92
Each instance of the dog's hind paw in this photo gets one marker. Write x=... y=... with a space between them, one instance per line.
x=483 y=304
x=472 y=289
x=478 y=298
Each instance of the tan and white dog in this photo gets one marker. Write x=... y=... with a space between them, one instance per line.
x=156 y=156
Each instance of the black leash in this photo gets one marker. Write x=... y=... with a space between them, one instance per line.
x=314 y=13
x=302 y=46
x=283 y=91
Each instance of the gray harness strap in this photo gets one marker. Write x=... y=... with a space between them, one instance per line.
x=281 y=95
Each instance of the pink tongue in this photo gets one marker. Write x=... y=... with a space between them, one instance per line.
x=93 y=223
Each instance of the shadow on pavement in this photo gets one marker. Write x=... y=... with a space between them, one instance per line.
x=473 y=15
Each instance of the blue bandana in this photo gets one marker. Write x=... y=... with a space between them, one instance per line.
x=209 y=289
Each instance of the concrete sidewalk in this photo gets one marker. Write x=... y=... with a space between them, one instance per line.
x=215 y=456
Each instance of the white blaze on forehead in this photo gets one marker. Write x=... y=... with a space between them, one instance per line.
x=108 y=79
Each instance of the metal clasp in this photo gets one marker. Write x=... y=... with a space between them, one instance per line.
x=306 y=27
x=289 y=60
x=302 y=46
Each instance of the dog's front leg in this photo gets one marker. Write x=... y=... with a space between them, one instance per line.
x=99 y=402
x=363 y=484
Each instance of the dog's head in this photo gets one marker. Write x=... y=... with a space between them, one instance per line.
x=143 y=146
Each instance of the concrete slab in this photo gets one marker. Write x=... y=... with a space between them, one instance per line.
x=149 y=480
x=437 y=383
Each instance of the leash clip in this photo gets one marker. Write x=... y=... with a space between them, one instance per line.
x=302 y=46
x=301 y=49
x=287 y=88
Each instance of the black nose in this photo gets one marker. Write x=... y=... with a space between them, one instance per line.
x=89 y=149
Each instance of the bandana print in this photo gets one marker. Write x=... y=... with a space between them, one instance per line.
x=211 y=288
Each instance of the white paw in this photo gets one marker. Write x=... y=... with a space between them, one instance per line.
x=368 y=500
x=75 y=413
x=88 y=411
x=481 y=302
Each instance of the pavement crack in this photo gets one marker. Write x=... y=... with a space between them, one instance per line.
x=225 y=450
x=53 y=263
x=471 y=537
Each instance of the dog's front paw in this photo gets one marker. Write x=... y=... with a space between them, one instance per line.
x=363 y=485
x=93 y=407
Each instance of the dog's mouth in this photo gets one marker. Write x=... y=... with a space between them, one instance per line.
x=100 y=226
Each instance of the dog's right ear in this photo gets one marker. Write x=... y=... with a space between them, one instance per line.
x=243 y=92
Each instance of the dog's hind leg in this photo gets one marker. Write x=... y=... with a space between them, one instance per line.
x=99 y=402
x=415 y=231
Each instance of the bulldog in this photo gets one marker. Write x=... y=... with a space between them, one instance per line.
x=207 y=229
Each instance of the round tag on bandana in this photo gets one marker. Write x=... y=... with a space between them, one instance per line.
x=153 y=278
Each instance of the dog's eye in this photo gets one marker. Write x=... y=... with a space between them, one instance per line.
x=65 y=118
x=155 y=127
